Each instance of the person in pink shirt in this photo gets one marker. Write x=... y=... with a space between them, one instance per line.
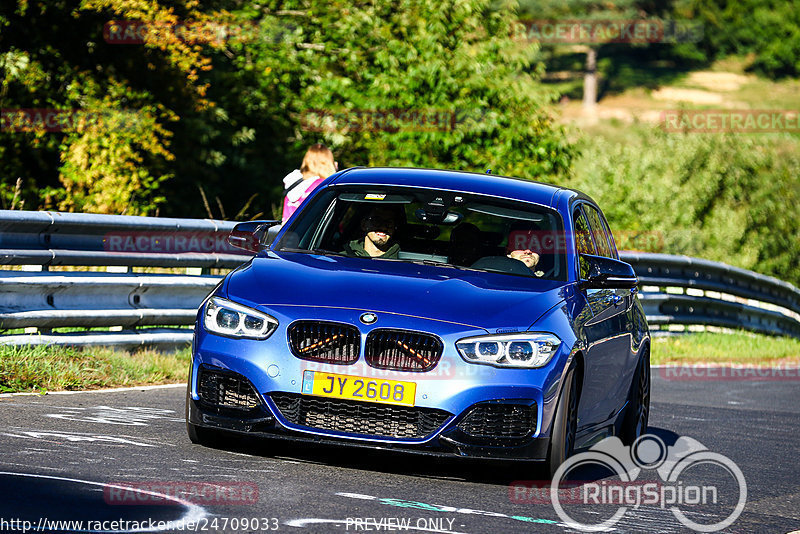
x=318 y=164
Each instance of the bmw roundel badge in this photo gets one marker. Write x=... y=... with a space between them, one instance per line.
x=368 y=318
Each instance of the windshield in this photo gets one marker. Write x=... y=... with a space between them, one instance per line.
x=448 y=229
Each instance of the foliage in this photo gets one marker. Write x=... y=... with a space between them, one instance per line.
x=582 y=10
x=119 y=100
x=194 y=128
x=218 y=123
x=769 y=30
x=729 y=198
x=454 y=59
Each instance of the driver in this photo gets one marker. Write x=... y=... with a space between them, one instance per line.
x=379 y=227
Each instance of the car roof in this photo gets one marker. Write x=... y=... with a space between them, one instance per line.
x=446 y=180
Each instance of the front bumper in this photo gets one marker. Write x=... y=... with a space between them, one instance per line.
x=262 y=424
x=449 y=393
x=498 y=429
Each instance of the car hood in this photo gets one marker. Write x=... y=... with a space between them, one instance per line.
x=489 y=301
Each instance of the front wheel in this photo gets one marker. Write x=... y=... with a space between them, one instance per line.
x=565 y=424
x=637 y=414
x=198 y=434
x=203 y=436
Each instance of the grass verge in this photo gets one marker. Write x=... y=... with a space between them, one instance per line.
x=737 y=348
x=41 y=368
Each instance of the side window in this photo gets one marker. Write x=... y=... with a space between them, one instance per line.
x=611 y=241
x=583 y=240
x=598 y=231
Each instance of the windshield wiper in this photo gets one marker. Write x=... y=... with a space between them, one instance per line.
x=435 y=263
x=312 y=251
x=326 y=252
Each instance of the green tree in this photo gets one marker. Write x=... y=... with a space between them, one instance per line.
x=457 y=57
x=584 y=11
x=218 y=124
x=767 y=30
x=119 y=100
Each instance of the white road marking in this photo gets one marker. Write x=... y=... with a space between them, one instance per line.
x=126 y=416
x=357 y=496
x=29 y=434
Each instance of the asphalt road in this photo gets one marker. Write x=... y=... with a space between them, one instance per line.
x=66 y=457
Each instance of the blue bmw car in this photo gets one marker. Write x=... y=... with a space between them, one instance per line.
x=436 y=312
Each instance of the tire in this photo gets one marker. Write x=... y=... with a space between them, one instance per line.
x=565 y=425
x=637 y=414
x=198 y=434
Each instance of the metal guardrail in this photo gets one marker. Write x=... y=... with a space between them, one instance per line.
x=157 y=309
x=82 y=239
x=680 y=290
x=80 y=299
x=126 y=305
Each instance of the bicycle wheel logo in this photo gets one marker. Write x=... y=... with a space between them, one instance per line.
x=672 y=489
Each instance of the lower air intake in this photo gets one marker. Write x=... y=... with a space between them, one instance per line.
x=226 y=389
x=499 y=421
x=369 y=419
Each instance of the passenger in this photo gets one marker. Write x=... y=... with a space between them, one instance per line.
x=519 y=243
x=529 y=258
x=318 y=164
x=379 y=228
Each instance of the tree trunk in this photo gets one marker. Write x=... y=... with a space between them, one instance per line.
x=590 y=80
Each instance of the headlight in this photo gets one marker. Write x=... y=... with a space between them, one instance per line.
x=228 y=318
x=526 y=350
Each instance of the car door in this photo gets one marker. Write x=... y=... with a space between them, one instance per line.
x=606 y=376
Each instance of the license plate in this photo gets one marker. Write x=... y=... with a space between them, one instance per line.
x=359 y=388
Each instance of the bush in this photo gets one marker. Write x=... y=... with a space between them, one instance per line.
x=728 y=198
x=767 y=29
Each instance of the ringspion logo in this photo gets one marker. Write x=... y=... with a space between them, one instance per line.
x=705 y=491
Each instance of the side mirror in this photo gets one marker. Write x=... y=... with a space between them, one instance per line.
x=253 y=236
x=607 y=273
